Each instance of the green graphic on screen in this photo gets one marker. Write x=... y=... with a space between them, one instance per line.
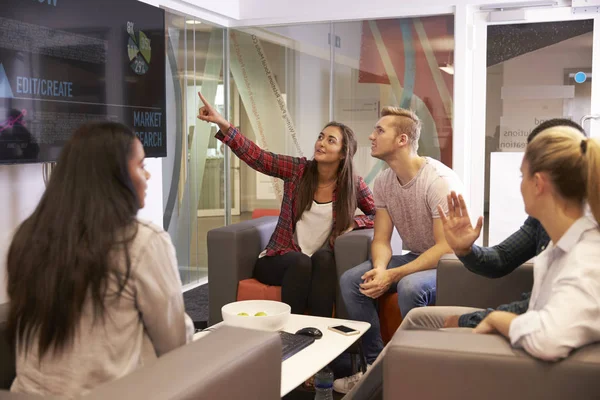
x=139 y=51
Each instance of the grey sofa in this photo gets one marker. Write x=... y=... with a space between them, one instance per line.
x=210 y=368
x=233 y=250
x=457 y=286
x=465 y=366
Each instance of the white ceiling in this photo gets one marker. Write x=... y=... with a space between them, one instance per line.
x=277 y=12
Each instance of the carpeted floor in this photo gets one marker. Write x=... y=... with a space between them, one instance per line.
x=196 y=305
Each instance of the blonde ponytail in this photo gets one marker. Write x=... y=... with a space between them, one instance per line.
x=591 y=149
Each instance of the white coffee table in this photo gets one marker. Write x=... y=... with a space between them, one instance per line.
x=304 y=364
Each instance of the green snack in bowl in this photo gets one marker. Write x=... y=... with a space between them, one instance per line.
x=243 y=314
x=260 y=314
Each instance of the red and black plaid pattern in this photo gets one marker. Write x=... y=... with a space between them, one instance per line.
x=290 y=170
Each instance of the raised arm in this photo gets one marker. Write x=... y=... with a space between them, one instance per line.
x=493 y=262
x=266 y=162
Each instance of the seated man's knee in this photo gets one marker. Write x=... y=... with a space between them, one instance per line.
x=414 y=319
x=414 y=291
x=351 y=279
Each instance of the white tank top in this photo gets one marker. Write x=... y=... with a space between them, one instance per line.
x=314 y=228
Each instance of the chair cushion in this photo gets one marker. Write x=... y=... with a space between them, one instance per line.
x=251 y=289
x=265 y=212
x=389 y=316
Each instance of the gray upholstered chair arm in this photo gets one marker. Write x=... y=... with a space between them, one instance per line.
x=352 y=249
x=457 y=286
x=209 y=368
x=465 y=365
x=232 y=253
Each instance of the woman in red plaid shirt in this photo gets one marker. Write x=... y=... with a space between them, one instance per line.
x=319 y=202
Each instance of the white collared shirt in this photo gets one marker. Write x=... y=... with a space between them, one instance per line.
x=564 y=309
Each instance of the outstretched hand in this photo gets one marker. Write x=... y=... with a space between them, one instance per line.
x=207 y=113
x=460 y=234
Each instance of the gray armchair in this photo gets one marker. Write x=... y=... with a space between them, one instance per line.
x=467 y=366
x=233 y=250
x=464 y=365
x=457 y=286
x=221 y=365
x=209 y=368
x=232 y=253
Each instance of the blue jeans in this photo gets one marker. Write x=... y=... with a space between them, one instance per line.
x=414 y=290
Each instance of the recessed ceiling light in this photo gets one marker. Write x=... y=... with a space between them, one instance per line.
x=193 y=22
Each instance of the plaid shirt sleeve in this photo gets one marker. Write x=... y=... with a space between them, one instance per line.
x=473 y=319
x=502 y=259
x=364 y=199
x=276 y=165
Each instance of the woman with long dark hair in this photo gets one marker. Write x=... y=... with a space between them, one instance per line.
x=319 y=204
x=94 y=292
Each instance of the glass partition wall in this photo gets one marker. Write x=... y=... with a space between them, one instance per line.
x=286 y=83
x=194 y=63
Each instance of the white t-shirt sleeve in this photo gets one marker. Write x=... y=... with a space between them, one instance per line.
x=159 y=295
x=437 y=195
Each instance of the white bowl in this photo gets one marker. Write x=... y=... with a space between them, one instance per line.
x=277 y=314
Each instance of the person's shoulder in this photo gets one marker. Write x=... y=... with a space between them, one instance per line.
x=582 y=267
x=148 y=227
x=587 y=249
x=383 y=180
x=148 y=232
x=385 y=176
x=590 y=239
x=439 y=169
x=440 y=174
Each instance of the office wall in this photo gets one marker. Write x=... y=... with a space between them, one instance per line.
x=546 y=67
x=276 y=11
x=536 y=71
x=220 y=12
x=22 y=186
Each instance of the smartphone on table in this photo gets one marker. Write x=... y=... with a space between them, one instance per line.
x=344 y=330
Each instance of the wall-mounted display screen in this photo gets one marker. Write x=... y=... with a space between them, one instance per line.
x=67 y=62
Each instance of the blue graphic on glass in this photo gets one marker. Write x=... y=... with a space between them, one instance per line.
x=580 y=77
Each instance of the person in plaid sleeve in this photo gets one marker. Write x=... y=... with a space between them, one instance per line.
x=319 y=202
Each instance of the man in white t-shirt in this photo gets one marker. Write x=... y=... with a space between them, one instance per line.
x=406 y=197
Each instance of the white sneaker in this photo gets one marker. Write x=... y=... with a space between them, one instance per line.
x=344 y=385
